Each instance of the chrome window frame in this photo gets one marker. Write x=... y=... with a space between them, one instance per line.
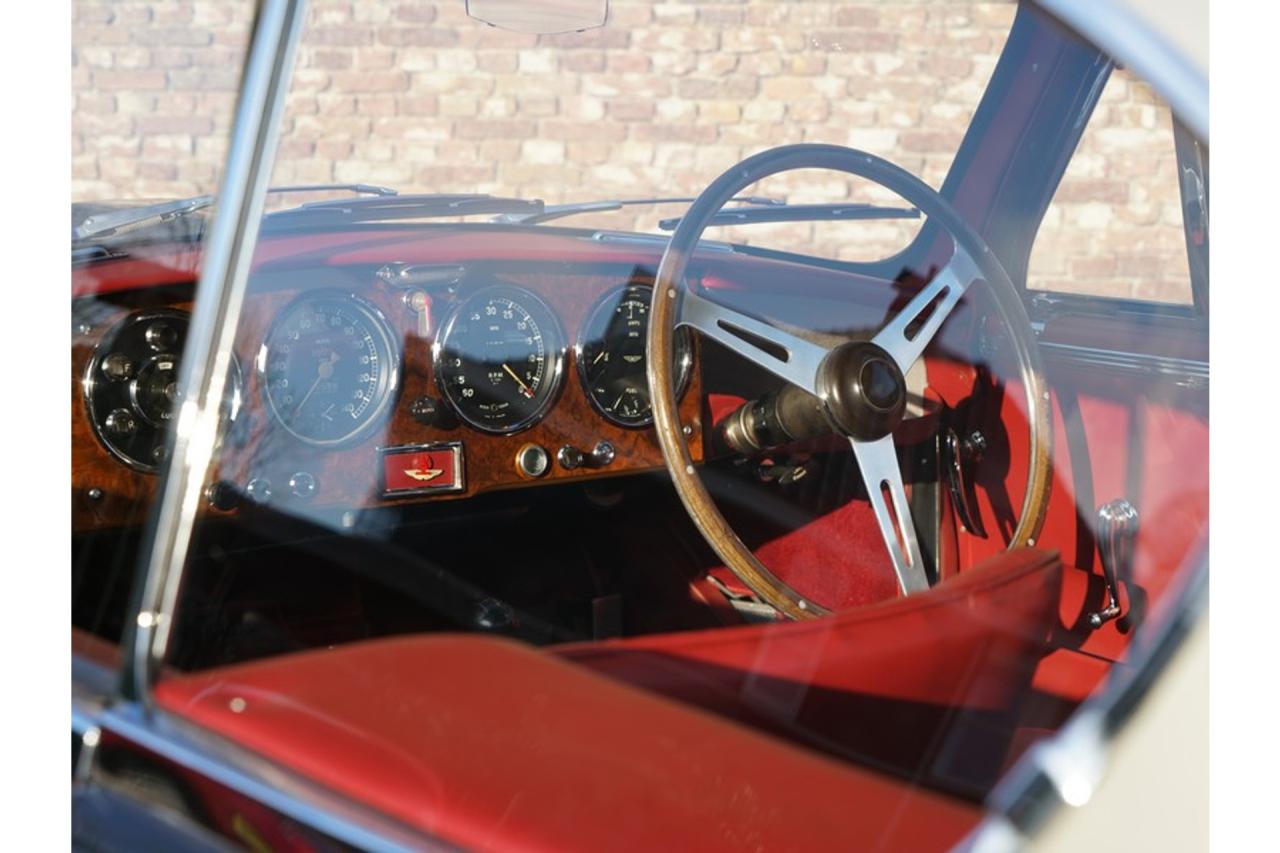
x=1123 y=34
x=215 y=314
x=206 y=361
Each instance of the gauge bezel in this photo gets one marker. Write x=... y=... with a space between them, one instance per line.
x=388 y=390
x=90 y=379
x=683 y=370
x=557 y=354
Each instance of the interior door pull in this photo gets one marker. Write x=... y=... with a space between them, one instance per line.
x=1117 y=527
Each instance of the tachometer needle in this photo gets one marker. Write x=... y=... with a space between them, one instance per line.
x=524 y=389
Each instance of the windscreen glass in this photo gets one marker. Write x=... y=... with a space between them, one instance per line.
x=705 y=352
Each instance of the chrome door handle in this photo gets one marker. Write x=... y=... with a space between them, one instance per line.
x=1117 y=527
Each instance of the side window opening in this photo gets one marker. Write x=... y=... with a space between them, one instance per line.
x=1115 y=226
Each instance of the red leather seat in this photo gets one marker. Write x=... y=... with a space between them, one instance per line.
x=926 y=685
x=492 y=744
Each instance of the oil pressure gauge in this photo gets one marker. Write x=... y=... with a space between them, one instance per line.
x=611 y=357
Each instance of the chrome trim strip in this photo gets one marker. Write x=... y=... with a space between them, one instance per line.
x=657 y=241
x=1132 y=42
x=206 y=360
x=91 y=686
x=255 y=777
x=1186 y=371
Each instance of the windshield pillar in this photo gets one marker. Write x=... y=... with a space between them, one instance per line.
x=224 y=275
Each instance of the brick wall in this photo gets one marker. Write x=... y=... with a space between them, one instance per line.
x=417 y=96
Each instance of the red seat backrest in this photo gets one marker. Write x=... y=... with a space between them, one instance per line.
x=921 y=685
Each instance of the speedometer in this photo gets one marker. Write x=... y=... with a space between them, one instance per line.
x=499 y=359
x=329 y=368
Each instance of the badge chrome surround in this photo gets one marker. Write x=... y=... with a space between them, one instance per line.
x=421 y=469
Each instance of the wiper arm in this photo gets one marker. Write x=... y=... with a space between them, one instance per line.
x=412 y=207
x=556 y=211
x=801 y=213
x=359 y=189
x=102 y=224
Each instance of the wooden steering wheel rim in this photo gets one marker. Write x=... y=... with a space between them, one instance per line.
x=670 y=283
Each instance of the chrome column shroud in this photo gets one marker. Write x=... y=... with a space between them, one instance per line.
x=228 y=253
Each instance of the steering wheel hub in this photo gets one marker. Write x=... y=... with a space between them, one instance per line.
x=863 y=389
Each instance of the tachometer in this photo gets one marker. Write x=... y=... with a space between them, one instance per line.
x=329 y=367
x=611 y=357
x=499 y=359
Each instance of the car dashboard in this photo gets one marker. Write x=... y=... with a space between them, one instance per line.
x=362 y=381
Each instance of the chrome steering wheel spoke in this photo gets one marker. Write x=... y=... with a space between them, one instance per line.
x=934 y=303
x=878 y=462
x=782 y=353
x=800 y=362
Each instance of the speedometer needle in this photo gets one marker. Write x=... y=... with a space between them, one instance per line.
x=524 y=389
x=324 y=371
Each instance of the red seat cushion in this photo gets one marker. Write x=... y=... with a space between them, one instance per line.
x=490 y=744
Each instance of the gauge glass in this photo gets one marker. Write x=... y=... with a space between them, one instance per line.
x=329 y=367
x=612 y=361
x=499 y=359
x=131 y=387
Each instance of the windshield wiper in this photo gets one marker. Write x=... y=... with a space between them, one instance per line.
x=556 y=211
x=411 y=207
x=359 y=189
x=801 y=213
x=110 y=221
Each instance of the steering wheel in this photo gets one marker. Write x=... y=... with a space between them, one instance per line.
x=860 y=385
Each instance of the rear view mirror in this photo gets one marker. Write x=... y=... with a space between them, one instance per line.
x=540 y=16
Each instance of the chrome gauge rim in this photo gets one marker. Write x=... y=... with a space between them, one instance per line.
x=388 y=382
x=554 y=347
x=683 y=355
x=91 y=378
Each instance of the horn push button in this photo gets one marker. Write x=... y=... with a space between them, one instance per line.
x=864 y=391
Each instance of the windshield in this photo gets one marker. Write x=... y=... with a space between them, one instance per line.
x=797 y=363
